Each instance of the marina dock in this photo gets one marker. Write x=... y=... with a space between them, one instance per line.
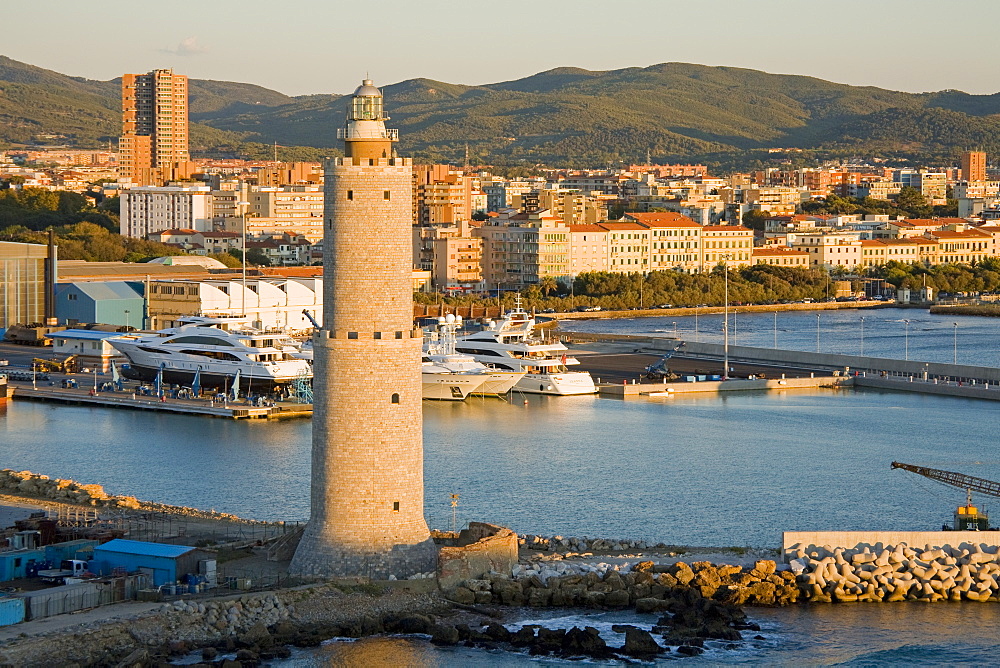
x=238 y=410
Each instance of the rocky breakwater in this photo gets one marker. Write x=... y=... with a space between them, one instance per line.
x=34 y=485
x=646 y=586
x=41 y=487
x=877 y=573
x=696 y=603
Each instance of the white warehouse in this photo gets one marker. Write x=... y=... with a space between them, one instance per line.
x=267 y=303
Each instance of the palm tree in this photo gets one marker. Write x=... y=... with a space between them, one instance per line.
x=548 y=284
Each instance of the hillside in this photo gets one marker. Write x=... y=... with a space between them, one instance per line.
x=678 y=111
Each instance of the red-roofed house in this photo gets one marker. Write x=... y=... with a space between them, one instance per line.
x=781 y=256
x=729 y=244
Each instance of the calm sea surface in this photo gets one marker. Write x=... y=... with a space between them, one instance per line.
x=714 y=471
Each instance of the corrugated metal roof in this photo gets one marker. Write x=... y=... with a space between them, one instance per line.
x=108 y=290
x=82 y=334
x=123 y=546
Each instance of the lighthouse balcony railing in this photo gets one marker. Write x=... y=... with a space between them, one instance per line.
x=344 y=133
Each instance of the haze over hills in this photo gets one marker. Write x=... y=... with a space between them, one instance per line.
x=566 y=116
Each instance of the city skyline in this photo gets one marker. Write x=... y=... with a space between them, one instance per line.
x=468 y=44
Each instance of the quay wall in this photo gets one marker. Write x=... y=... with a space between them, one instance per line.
x=733 y=385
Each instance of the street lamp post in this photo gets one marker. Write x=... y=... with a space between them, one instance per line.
x=906 y=339
x=675 y=330
x=817 y=333
x=775 y=330
x=725 y=324
x=955 y=339
x=696 y=336
x=862 y=336
x=127 y=322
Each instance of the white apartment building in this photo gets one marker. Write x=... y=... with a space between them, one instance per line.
x=149 y=209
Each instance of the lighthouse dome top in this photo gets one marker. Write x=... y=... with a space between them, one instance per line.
x=368 y=89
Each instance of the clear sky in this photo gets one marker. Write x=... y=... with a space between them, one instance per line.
x=326 y=46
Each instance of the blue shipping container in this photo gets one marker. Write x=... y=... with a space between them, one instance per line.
x=11 y=611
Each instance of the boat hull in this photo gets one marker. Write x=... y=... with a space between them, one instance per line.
x=560 y=384
x=449 y=387
x=207 y=380
x=499 y=383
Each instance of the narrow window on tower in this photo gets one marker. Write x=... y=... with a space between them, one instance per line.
x=350 y=195
x=395 y=506
x=395 y=397
x=386 y=195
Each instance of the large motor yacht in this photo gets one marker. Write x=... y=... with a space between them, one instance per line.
x=207 y=348
x=439 y=348
x=441 y=378
x=512 y=344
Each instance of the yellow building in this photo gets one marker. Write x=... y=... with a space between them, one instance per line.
x=781 y=256
x=728 y=244
x=674 y=243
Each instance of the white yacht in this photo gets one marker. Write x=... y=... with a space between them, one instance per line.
x=439 y=348
x=440 y=382
x=512 y=344
x=441 y=378
x=200 y=347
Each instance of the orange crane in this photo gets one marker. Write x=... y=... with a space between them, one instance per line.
x=967 y=517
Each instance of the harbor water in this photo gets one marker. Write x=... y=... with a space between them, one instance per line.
x=731 y=470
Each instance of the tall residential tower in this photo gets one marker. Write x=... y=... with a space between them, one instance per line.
x=367 y=494
x=154 y=126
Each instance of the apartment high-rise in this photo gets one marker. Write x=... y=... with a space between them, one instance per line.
x=974 y=166
x=154 y=126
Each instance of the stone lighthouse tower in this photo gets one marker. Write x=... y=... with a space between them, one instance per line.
x=367 y=496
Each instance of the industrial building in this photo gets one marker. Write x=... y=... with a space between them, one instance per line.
x=165 y=564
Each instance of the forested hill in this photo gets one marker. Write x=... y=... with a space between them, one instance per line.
x=677 y=111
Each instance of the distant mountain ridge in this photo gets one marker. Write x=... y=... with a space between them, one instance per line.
x=566 y=116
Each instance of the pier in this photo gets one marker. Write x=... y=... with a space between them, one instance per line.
x=236 y=410
x=621 y=373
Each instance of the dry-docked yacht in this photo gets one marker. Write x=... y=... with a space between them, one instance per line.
x=511 y=344
x=200 y=345
x=439 y=348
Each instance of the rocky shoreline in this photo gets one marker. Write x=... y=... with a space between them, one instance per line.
x=37 y=487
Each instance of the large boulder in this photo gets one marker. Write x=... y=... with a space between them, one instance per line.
x=640 y=644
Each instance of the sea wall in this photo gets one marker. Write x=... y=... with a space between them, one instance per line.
x=955 y=571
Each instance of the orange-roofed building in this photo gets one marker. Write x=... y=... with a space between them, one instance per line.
x=628 y=246
x=588 y=249
x=781 y=256
x=728 y=244
x=966 y=246
x=674 y=241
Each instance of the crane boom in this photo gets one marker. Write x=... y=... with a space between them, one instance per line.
x=959 y=480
